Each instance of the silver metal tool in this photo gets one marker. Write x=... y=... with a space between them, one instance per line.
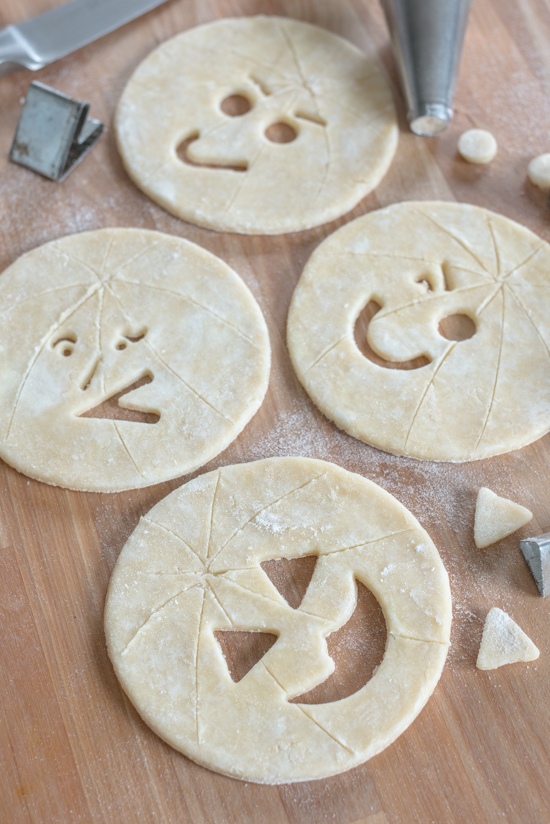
x=536 y=552
x=427 y=37
x=49 y=36
x=54 y=132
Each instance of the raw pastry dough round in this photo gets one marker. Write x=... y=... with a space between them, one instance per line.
x=85 y=317
x=333 y=96
x=192 y=567
x=422 y=262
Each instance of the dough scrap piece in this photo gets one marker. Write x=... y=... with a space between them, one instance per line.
x=538 y=171
x=423 y=262
x=497 y=517
x=234 y=178
x=94 y=315
x=477 y=146
x=192 y=567
x=503 y=642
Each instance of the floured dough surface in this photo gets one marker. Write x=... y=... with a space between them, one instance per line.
x=422 y=263
x=232 y=176
x=154 y=319
x=503 y=642
x=497 y=517
x=192 y=568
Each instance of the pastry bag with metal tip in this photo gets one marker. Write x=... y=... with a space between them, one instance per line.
x=427 y=37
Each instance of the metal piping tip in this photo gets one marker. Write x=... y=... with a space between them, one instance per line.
x=427 y=38
x=433 y=120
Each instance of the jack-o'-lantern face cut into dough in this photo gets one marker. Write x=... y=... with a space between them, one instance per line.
x=456 y=362
x=193 y=569
x=257 y=125
x=127 y=357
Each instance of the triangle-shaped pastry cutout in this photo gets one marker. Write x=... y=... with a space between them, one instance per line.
x=242 y=650
x=503 y=642
x=291 y=576
x=496 y=518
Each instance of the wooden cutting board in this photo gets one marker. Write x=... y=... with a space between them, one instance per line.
x=72 y=748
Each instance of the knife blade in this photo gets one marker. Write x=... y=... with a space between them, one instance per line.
x=49 y=36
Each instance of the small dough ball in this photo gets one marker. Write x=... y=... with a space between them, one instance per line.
x=477 y=146
x=538 y=171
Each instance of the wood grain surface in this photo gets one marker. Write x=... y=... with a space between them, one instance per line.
x=72 y=748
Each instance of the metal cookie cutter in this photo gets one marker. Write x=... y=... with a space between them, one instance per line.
x=536 y=552
x=427 y=37
x=54 y=132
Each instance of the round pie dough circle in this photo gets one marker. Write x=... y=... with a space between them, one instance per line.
x=422 y=262
x=192 y=568
x=334 y=97
x=84 y=318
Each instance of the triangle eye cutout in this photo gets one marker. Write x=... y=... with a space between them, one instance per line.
x=243 y=650
x=291 y=576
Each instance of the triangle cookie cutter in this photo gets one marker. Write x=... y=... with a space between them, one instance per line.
x=536 y=552
x=54 y=132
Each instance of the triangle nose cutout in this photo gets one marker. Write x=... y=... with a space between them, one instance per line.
x=291 y=576
x=242 y=650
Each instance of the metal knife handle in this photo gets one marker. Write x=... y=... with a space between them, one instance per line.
x=16 y=52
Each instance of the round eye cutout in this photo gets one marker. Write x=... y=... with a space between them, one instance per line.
x=281 y=133
x=65 y=345
x=235 y=105
x=457 y=327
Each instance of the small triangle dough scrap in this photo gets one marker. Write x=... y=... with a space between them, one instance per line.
x=503 y=642
x=497 y=517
